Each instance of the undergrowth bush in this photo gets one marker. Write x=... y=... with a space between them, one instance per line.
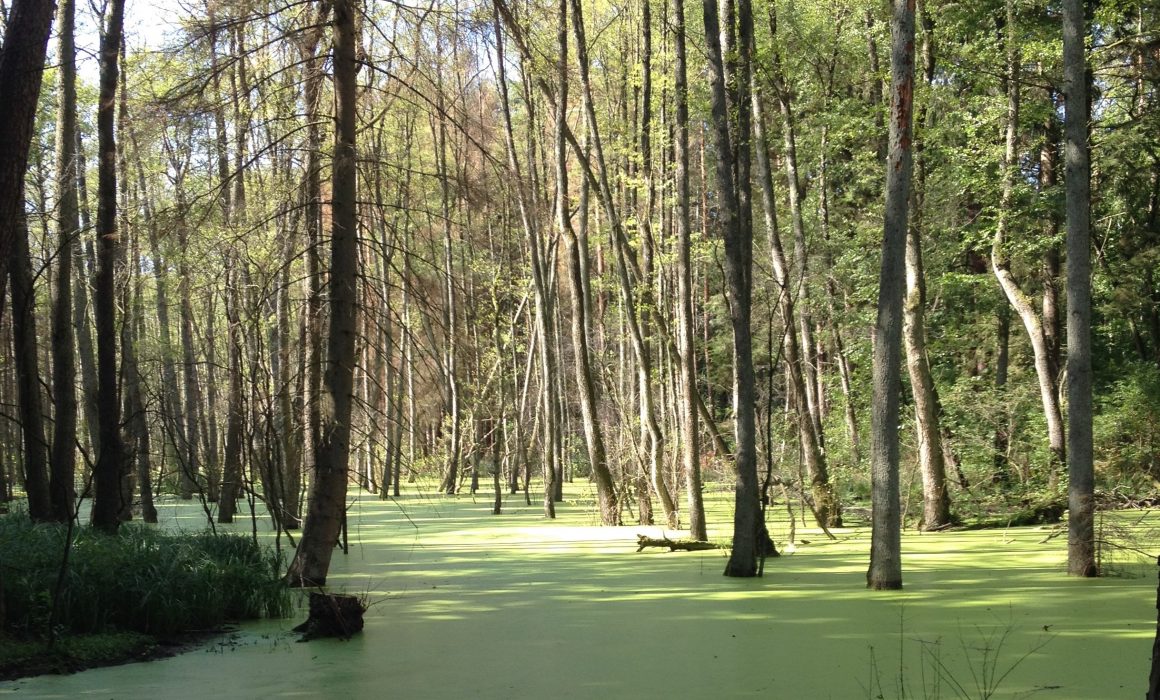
x=138 y=580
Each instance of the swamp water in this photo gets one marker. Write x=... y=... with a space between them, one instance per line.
x=464 y=604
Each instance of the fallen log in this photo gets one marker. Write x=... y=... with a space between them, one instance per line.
x=675 y=545
x=332 y=615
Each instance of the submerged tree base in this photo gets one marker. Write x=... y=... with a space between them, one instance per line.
x=332 y=615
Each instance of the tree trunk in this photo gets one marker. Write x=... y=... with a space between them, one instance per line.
x=885 y=571
x=137 y=424
x=1081 y=559
x=1001 y=266
x=585 y=382
x=63 y=460
x=450 y=312
x=1002 y=439
x=750 y=539
x=26 y=356
x=235 y=410
x=327 y=506
x=825 y=504
x=82 y=325
x=687 y=411
x=21 y=72
x=110 y=468
x=312 y=94
x=173 y=418
x=936 y=502
x=803 y=375
x=644 y=373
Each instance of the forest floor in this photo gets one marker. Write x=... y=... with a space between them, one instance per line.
x=467 y=604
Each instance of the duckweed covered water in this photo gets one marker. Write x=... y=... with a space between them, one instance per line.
x=465 y=604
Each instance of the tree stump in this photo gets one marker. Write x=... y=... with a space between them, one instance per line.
x=332 y=615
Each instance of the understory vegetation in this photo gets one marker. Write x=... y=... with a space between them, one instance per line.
x=104 y=597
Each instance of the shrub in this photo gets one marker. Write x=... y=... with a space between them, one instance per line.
x=138 y=580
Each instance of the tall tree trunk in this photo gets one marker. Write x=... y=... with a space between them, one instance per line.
x=289 y=430
x=580 y=325
x=63 y=459
x=137 y=424
x=936 y=502
x=327 y=505
x=21 y=73
x=235 y=410
x=687 y=411
x=82 y=324
x=795 y=301
x=1002 y=438
x=825 y=504
x=644 y=372
x=1080 y=530
x=645 y=278
x=1000 y=263
x=26 y=355
x=110 y=468
x=750 y=539
x=191 y=458
x=173 y=418
x=885 y=571
x=312 y=93
x=450 y=312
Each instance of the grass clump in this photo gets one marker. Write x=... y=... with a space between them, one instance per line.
x=139 y=580
x=21 y=657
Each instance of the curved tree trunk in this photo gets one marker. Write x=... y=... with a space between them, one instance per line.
x=795 y=303
x=1000 y=264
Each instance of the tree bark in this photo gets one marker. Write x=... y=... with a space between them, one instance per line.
x=110 y=468
x=936 y=503
x=21 y=73
x=1001 y=265
x=580 y=325
x=687 y=411
x=63 y=459
x=450 y=312
x=643 y=366
x=750 y=539
x=825 y=504
x=885 y=571
x=1081 y=559
x=327 y=506
x=26 y=356
x=235 y=410
x=82 y=324
x=795 y=301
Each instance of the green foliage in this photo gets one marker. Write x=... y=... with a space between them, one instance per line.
x=25 y=657
x=1128 y=429
x=139 y=580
